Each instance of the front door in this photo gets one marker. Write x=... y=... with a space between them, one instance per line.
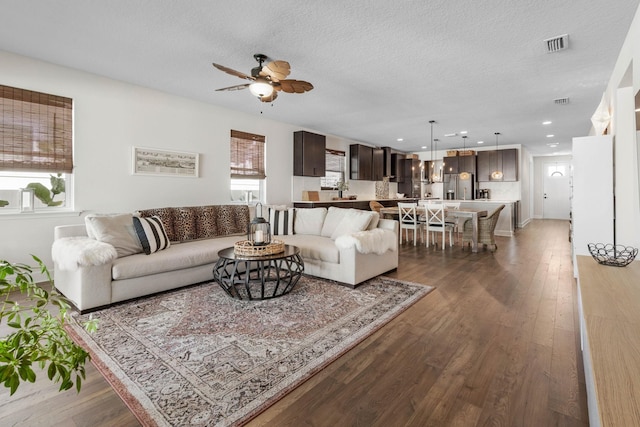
x=557 y=190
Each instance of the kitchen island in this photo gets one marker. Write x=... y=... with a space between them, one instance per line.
x=506 y=225
x=356 y=204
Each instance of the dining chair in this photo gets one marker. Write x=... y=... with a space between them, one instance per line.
x=486 y=229
x=409 y=221
x=435 y=221
x=375 y=206
x=450 y=219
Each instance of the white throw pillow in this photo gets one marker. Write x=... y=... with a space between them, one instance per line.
x=375 y=219
x=332 y=220
x=355 y=220
x=117 y=230
x=309 y=220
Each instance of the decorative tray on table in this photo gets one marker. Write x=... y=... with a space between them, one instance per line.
x=246 y=248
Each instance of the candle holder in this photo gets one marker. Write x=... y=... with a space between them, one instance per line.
x=259 y=229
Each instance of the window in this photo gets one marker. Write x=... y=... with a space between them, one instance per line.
x=247 y=166
x=36 y=147
x=334 y=169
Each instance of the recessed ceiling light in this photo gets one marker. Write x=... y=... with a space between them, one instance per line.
x=548 y=122
x=550 y=136
x=449 y=135
x=463 y=132
x=399 y=139
x=424 y=147
x=480 y=142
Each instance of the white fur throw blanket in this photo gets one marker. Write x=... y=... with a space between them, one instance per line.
x=72 y=252
x=376 y=241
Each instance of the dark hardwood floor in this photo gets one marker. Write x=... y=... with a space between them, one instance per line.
x=495 y=344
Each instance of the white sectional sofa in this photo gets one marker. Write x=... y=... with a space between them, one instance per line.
x=103 y=261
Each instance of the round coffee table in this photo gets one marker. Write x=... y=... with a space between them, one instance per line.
x=258 y=277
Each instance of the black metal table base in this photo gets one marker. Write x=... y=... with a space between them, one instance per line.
x=252 y=278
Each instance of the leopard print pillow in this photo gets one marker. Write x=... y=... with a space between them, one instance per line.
x=166 y=216
x=184 y=223
x=232 y=219
x=206 y=222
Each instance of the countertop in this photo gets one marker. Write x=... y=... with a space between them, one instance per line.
x=347 y=200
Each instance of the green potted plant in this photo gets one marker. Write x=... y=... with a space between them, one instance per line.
x=45 y=195
x=35 y=321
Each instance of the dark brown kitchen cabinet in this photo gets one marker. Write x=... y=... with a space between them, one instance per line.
x=397 y=167
x=506 y=160
x=377 y=169
x=361 y=164
x=510 y=164
x=467 y=164
x=411 y=184
x=450 y=164
x=386 y=152
x=308 y=154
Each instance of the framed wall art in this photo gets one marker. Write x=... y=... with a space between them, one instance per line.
x=152 y=161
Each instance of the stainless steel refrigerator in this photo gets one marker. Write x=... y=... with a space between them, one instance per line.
x=455 y=188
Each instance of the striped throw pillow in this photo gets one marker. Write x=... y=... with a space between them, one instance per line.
x=151 y=233
x=281 y=221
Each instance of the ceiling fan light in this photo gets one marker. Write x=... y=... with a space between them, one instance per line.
x=261 y=88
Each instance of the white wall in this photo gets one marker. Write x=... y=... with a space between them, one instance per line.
x=620 y=93
x=110 y=118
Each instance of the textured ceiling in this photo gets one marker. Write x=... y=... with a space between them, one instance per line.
x=381 y=70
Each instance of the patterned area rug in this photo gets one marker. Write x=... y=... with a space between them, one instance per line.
x=200 y=358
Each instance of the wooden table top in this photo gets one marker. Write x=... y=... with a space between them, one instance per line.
x=611 y=309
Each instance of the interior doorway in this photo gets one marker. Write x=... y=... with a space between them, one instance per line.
x=557 y=190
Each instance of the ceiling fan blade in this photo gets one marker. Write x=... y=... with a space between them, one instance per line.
x=269 y=98
x=232 y=72
x=236 y=87
x=294 y=86
x=276 y=70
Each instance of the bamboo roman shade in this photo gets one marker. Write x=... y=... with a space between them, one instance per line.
x=36 y=131
x=247 y=155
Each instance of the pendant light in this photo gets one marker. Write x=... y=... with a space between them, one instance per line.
x=434 y=177
x=464 y=175
x=437 y=175
x=497 y=174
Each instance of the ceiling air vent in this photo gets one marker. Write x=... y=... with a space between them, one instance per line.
x=561 y=101
x=558 y=43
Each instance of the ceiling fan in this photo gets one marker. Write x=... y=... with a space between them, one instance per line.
x=267 y=80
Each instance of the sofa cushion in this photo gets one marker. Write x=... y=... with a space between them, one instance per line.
x=176 y=257
x=309 y=220
x=353 y=221
x=314 y=247
x=332 y=220
x=151 y=234
x=117 y=230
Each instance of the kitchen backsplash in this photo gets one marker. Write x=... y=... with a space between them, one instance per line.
x=364 y=190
